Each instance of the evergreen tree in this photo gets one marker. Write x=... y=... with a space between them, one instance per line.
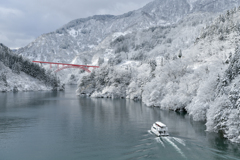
x=17 y=64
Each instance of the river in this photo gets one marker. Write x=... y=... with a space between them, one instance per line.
x=62 y=126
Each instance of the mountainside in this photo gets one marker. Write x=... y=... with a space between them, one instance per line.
x=199 y=76
x=18 y=74
x=173 y=54
x=86 y=33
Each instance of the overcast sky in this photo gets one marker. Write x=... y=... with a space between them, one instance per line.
x=22 y=21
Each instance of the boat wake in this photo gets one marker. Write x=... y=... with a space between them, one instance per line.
x=181 y=141
x=173 y=141
x=185 y=148
x=169 y=140
x=160 y=141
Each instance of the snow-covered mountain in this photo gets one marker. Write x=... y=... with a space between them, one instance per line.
x=173 y=54
x=86 y=33
x=18 y=74
x=201 y=78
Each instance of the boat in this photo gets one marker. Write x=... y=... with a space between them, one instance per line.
x=159 y=129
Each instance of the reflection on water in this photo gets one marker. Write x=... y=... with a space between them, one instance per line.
x=60 y=125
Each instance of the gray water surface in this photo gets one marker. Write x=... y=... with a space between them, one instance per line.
x=63 y=126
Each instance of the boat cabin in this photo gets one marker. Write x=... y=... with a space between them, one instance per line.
x=159 y=129
x=160 y=124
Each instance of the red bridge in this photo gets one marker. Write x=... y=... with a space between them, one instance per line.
x=64 y=66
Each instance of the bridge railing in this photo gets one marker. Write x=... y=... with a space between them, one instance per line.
x=65 y=65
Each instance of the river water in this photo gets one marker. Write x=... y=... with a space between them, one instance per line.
x=63 y=126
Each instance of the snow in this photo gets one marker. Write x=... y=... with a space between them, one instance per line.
x=73 y=32
x=188 y=83
x=118 y=34
x=91 y=46
x=141 y=60
x=22 y=82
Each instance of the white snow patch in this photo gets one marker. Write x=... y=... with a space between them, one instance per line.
x=73 y=32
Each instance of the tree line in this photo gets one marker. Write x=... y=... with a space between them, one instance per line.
x=19 y=64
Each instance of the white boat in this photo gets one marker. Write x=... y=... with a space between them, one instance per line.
x=159 y=129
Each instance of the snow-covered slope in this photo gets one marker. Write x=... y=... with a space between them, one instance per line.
x=160 y=54
x=10 y=81
x=18 y=74
x=86 y=33
x=138 y=53
x=199 y=74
